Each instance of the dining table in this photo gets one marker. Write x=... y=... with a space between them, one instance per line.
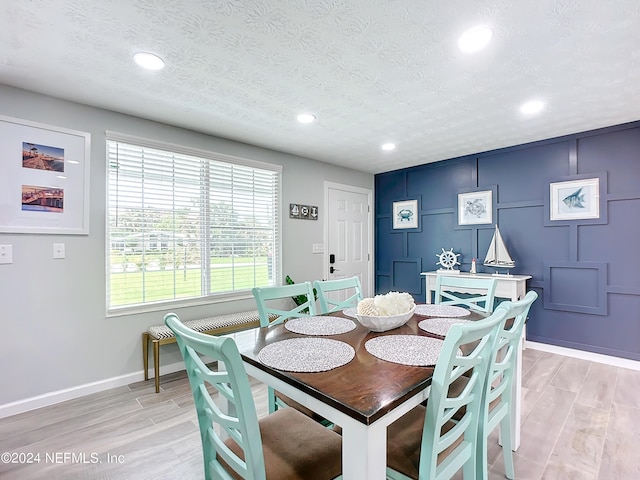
x=362 y=394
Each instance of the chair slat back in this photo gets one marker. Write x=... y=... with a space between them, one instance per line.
x=503 y=363
x=351 y=286
x=233 y=385
x=273 y=315
x=496 y=403
x=482 y=302
x=477 y=340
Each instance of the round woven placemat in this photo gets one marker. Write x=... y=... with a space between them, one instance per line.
x=405 y=349
x=350 y=312
x=440 y=326
x=319 y=325
x=307 y=354
x=431 y=310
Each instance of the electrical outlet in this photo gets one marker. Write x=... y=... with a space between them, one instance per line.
x=58 y=250
x=6 y=254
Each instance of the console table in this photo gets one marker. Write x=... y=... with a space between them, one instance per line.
x=513 y=287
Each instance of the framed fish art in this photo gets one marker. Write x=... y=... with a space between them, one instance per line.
x=575 y=199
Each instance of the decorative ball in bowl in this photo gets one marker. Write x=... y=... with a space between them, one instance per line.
x=383 y=323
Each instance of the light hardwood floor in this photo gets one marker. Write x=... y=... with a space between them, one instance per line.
x=581 y=420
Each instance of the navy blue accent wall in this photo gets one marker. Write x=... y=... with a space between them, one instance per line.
x=586 y=271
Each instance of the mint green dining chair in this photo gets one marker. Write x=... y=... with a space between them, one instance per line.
x=426 y=444
x=270 y=302
x=496 y=404
x=350 y=287
x=285 y=445
x=271 y=310
x=446 y=286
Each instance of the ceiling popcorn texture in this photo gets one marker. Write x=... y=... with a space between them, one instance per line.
x=372 y=71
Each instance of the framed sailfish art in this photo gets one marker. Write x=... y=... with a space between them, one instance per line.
x=575 y=200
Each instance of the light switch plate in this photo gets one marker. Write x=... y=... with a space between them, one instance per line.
x=58 y=250
x=6 y=254
x=318 y=248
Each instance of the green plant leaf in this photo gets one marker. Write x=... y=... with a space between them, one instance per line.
x=299 y=299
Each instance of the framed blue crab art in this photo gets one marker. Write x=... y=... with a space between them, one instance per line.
x=405 y=214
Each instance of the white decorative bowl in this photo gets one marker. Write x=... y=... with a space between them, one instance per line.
x=382 y=324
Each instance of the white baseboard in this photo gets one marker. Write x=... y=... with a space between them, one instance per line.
x=581 y=354
x=52 y=398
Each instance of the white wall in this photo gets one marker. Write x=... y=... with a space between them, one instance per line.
x=56 y=335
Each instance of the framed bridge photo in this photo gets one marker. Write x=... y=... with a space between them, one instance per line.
x=44 y=185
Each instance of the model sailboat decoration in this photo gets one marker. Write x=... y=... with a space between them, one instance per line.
x=497 y=255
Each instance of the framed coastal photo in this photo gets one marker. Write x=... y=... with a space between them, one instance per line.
x=44 y=186
x=405 y=214
x=575 y=200
x=475 y=208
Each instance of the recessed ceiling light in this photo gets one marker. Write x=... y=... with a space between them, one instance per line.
x=388 y=146
x=148 y=61
x=474 y=39
x=306 y=118
x=531 y=107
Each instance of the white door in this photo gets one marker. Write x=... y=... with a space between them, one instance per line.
x=348 y=229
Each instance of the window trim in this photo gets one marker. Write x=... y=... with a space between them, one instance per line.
x=197 y=152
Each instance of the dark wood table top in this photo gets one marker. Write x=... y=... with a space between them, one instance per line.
x=366 y=388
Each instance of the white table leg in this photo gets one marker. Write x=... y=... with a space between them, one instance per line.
x=364 y=451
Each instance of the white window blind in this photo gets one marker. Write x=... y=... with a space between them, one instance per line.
x=184 y=225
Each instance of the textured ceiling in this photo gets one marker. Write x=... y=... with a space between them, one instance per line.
x=371 y=70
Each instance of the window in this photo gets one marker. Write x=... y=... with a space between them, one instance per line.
x=185 y=224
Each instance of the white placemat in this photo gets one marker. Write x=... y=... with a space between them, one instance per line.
x=440 y=326
x=320 y=325
x=351 y=312
x=307 y=354
x=431 y=310
x=405 y=349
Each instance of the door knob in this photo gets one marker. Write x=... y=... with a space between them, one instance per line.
x=333 y=269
